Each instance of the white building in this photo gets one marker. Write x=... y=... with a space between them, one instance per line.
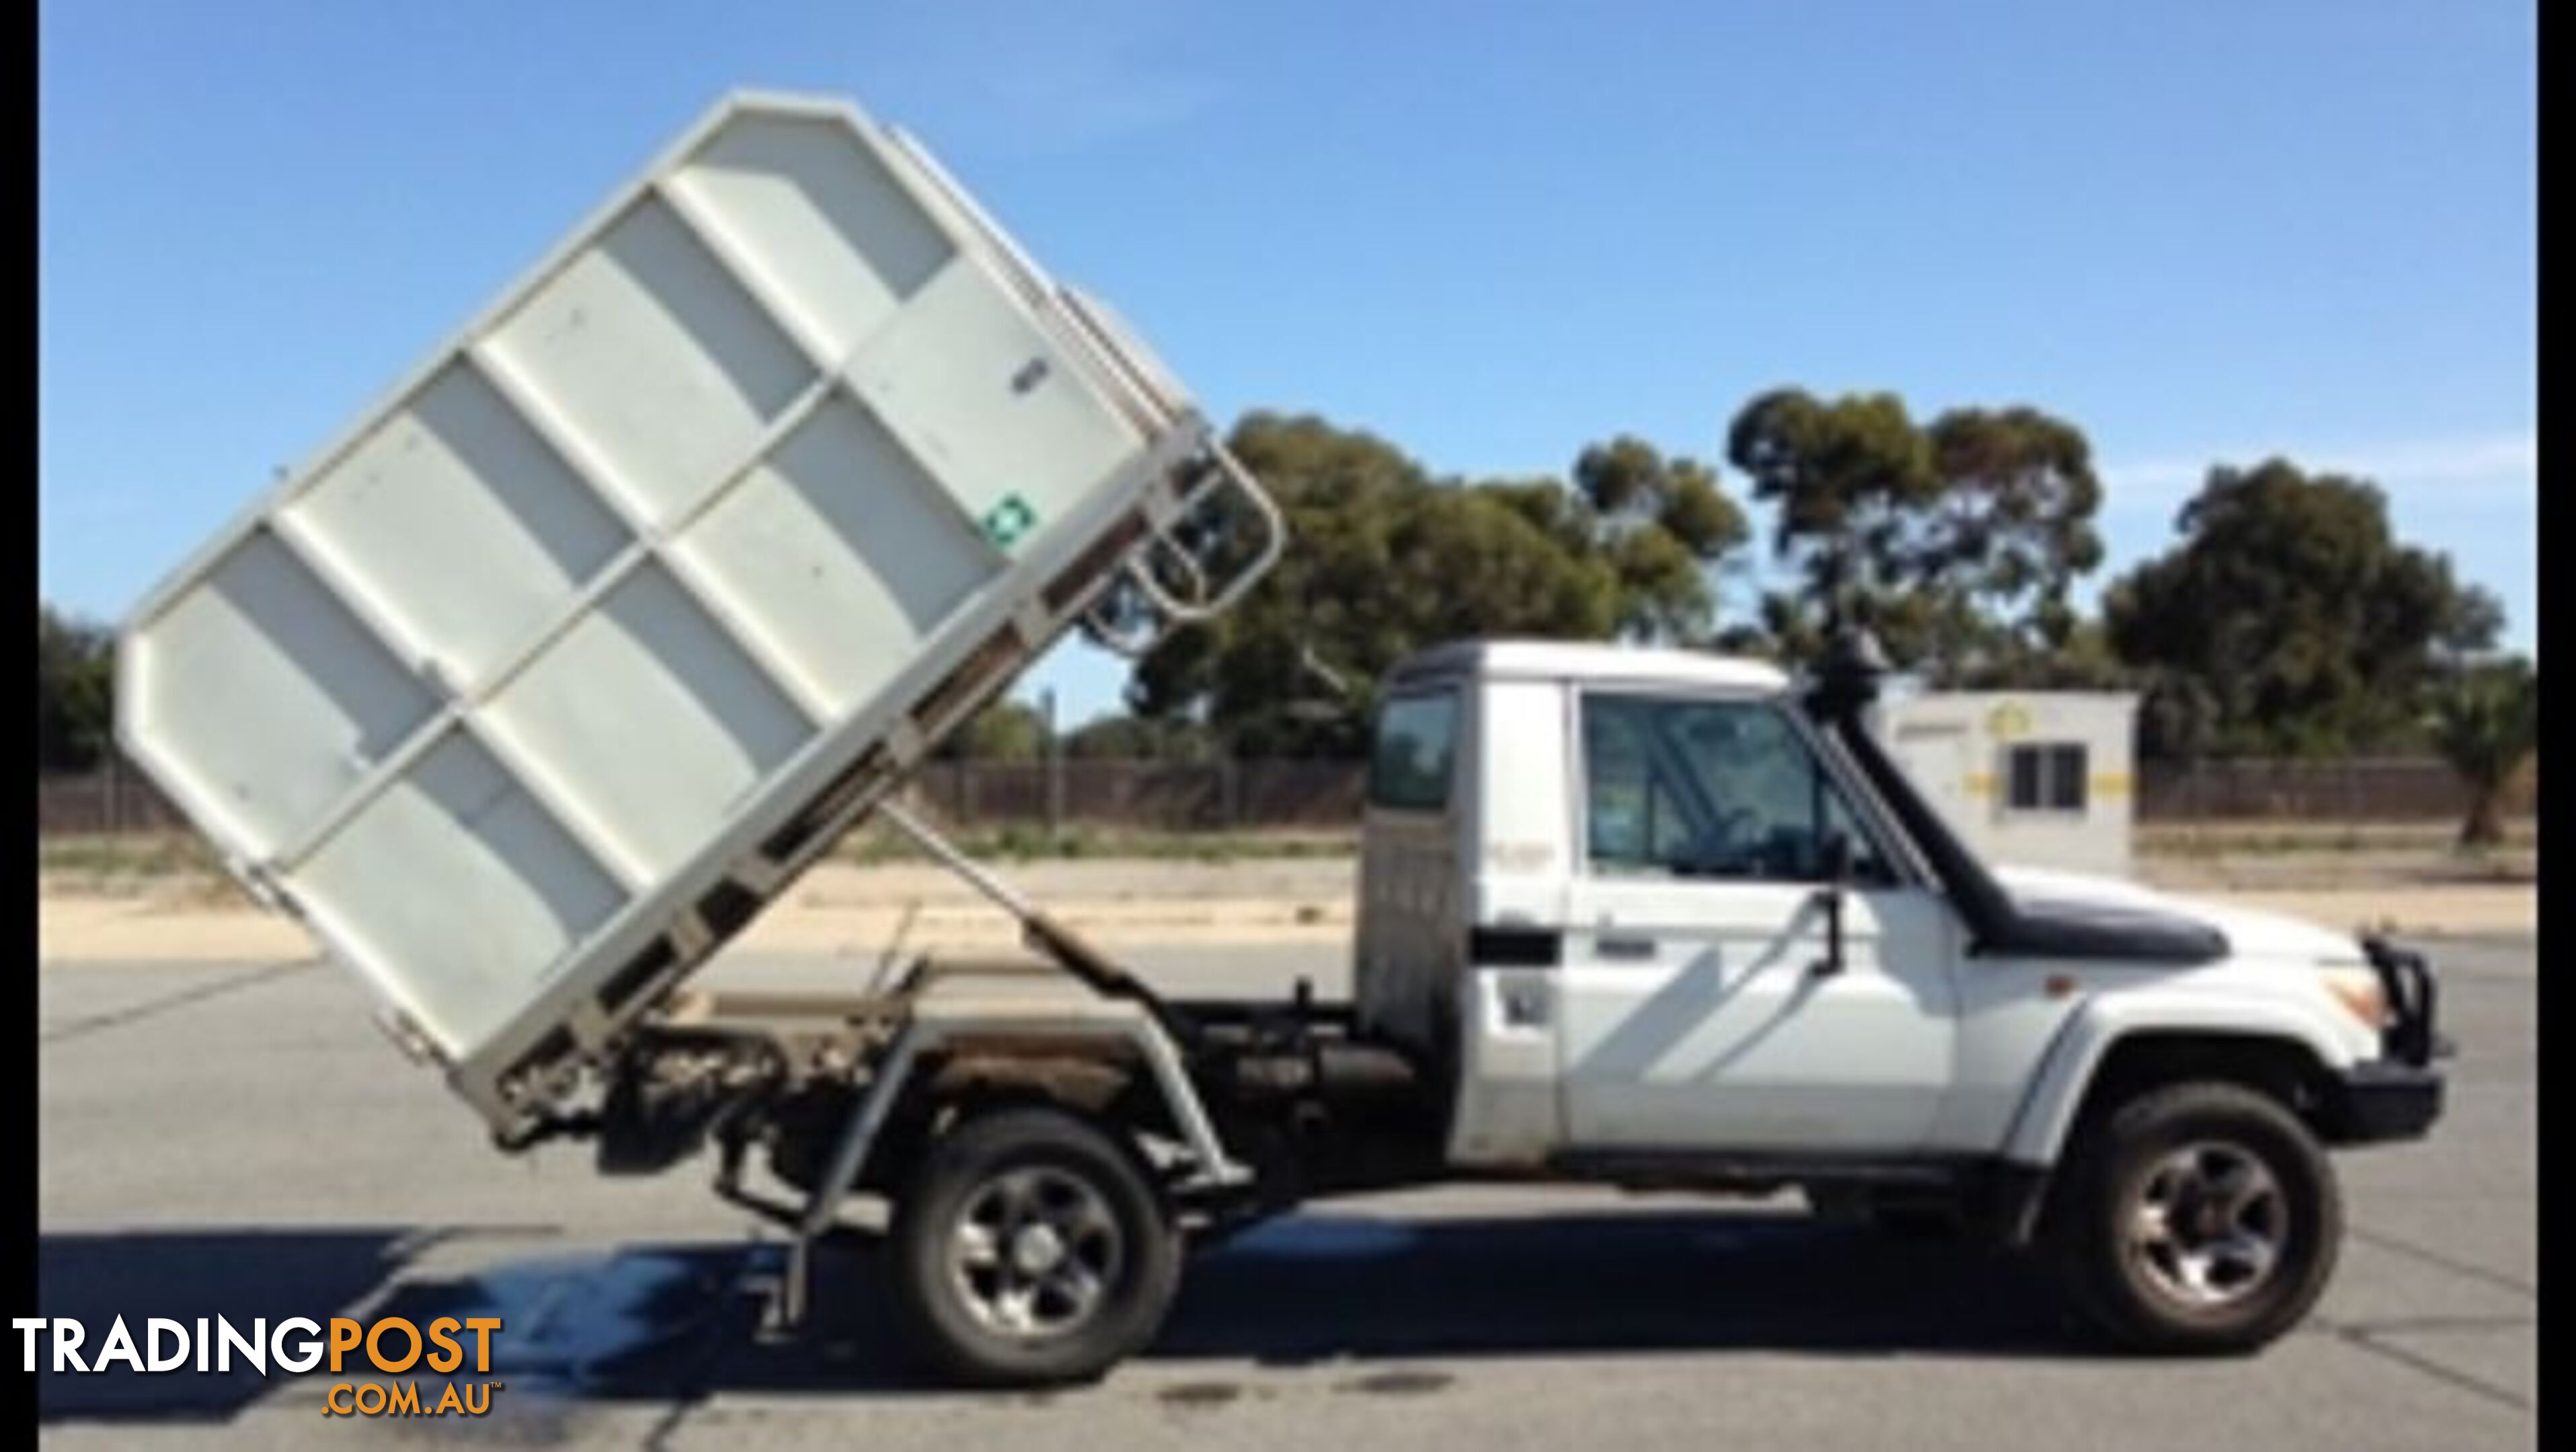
x=2027 y=778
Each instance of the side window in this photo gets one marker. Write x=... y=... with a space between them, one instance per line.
x=1635 y=823
x=1707 y=788
x=1409 y=767
x=2045 y=776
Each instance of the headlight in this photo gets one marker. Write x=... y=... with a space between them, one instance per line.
x=2359 y=990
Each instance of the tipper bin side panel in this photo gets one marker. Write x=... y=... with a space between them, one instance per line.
x=845 y=582
x=458 y=891
x=826 y=225
x=466 y=528
x=658 y=533
x=266 y=698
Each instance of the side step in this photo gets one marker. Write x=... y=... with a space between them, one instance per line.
x=1703 y=1169
x=1997 y=1198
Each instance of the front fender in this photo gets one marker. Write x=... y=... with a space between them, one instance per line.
x=2048 y=1108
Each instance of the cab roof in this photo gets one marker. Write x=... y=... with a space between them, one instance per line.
x=1578 y=661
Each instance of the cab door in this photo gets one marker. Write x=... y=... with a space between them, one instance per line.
x=1709 y=1001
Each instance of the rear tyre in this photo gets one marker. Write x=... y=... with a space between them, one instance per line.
x=1030 y=1249
x=2199 y=1218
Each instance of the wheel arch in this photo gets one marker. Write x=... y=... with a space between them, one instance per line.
x=2112 y=1051
x=941 y=1095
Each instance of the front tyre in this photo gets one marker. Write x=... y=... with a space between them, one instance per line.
x=2198 y=1218
x=1030 y=1249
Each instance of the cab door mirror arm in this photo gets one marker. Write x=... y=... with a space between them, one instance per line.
x=1837 y=864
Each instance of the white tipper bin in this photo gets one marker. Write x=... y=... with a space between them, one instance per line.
x=538 y=682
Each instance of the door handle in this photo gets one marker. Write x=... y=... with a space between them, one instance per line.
x=1623 y=946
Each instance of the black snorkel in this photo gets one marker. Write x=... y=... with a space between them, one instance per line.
x=1841 y=688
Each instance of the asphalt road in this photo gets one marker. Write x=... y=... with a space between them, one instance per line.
x=235 y=1139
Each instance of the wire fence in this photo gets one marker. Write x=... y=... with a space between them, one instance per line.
x=1259 y=795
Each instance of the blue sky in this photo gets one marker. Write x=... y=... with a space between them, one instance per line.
x=2203 y=231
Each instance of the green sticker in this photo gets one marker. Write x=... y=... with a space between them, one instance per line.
x=1005 y=522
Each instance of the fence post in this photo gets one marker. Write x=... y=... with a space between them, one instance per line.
x=1054 y=786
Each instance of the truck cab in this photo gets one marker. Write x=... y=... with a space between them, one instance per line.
x=1627 y=899
x=1599 y=892
x=1659 y=917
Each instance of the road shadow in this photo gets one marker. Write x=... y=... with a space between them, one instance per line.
x=678 y=1323
x=1327 y=1287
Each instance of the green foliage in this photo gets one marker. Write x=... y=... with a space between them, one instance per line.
x=75 y=692
x=2485 y=720
x=1005 y=731
x=1661 y=523
x=1956 y=542
x=1139 y=738
x=2286 y=620
x=2010 y=531
x=2080 y=660
x=2289 y=620
x=1384 y=559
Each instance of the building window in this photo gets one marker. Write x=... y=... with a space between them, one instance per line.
x=2046 y=776
x=1409 y=770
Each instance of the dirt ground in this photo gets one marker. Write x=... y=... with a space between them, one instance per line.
x=842 y=908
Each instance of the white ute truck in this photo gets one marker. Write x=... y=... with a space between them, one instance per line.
x=572 y=653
